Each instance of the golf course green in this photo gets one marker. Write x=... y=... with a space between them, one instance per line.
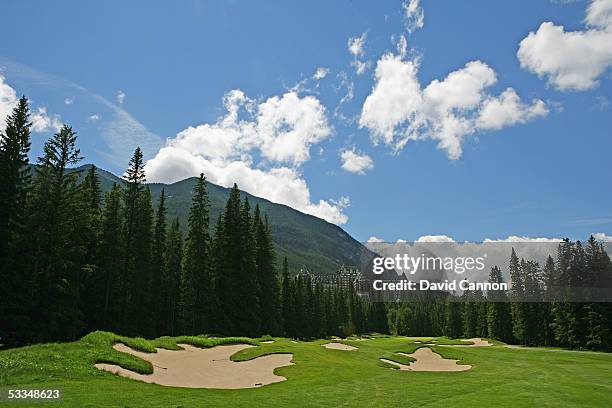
x=499 y=376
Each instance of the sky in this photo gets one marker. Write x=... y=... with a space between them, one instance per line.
x=396 y=120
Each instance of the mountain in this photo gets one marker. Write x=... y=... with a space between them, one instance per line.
x=306 y=241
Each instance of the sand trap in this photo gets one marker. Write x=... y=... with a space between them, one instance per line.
x=196 y=367
x=478 y=342
x=339 y=346
x=267 y=342
x=427 y=360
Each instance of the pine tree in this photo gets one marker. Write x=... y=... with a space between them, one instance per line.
x=597 y=315
x=469 y=315
x=499 y=320
x=267 y=280
x=158 y=267
x=132 y=286
x=286 y=301
x=517 y=296
x=111 y=256
x=14 y=173
x=89 y=231
x=55 y=252
x=171 y=279
x=453 y=324
x=548 y=296
x=249 y=319
x=198 y=302
x=14 y=186
x=235 y=274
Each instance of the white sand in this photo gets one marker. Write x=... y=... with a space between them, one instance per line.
x=427 y=360
x=339 y=346
x=195 y=367
x=267 y=342
x=478 y=342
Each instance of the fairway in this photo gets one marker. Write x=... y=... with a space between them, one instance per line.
x=500 y=376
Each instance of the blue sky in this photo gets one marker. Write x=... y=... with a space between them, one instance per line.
x=236 y=81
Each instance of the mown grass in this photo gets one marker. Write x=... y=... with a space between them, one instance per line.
x=500 y=376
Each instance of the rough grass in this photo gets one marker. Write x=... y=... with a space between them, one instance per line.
x=500 y=376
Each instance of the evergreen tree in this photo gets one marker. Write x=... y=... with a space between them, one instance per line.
x=142 y=252
x=110 y=258
x=171 y=279
x=453 y=325
x=135 y=260
x=198 y=302
x=548 y=296
x=14 y=173
x=469 y=315
x=89 y=231
x=499 y=320
x=517 y=296
x=267 y=280
x=286 y=301
x=55 y=251
x=14 y=185
x=158 y=267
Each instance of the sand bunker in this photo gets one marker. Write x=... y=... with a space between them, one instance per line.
x=267 y=342
x=478 y=342
x=195 y=367
x=427 y=360
x=339 y=346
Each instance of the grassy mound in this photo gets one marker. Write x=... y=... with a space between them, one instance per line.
x=499 y=377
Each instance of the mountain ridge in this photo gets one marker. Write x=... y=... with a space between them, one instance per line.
x=308 y=241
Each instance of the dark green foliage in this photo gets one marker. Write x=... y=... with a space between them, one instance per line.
x=55 y=261
x=72 y=263
x=14 y=186
x=171 y=279
x=499 y=320
x=286 y=303
x=453 y=325
x=158 y=267
x=110 y=259
x=196 y=296
x=265 y=260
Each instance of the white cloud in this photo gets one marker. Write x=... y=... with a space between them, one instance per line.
x=355 y=162
x=374 y=239
x=42 y=122
x=120 y=97
x=514 y=238
x=320 y=73
x=398 y=109
x=356 y=44
x=571 y=60
x=258 y=145
x=435 y=238
x=8 y=100
x=356 y=48
x=69 y=101
x=414 y=17
x=600 y=236
x=94 y=118
x=602 y=103
x=507 y=110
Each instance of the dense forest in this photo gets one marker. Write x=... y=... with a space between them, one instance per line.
x=72 y=261
x=539 y=310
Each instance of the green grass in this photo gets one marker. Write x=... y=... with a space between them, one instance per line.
x=500 y=377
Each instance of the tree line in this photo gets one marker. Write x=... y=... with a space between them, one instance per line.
x=73 y=260
x=539 y=310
